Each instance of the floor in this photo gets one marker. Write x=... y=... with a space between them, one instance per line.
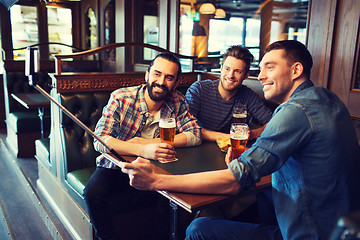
x=24 y=213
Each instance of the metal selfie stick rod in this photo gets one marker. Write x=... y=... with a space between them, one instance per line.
x=75 y=119
x=30 y=72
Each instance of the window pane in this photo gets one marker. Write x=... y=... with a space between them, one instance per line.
x=150 y=10
x=24 y=29
x=110 y=29
x=223 y=34
x=60 y=29
x=242 y=25
x=90 y=29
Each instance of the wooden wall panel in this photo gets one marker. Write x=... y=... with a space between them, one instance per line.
x=319 y=41
x=343 y=57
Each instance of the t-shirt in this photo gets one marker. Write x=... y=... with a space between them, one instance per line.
x=215 y=114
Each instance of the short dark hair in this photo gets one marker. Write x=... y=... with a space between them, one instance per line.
x=241 y=53
x=295 y=51
x=170 y=57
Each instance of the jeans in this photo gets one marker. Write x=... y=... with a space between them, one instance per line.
x=108 y=194
x=221 y=229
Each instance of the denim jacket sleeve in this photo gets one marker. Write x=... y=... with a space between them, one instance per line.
x=287 y=132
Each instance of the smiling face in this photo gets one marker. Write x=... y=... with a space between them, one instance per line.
x=278 y=77
x=161 y=79
x=233 y=73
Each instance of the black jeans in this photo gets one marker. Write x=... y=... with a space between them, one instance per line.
x=108 y=194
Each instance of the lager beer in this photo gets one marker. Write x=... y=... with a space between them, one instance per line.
x=239 y=113
x=238 y=146
x=239 y=118
x=167 y=129
x=239 y=135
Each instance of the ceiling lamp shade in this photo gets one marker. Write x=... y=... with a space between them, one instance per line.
x=220 y=13
x=207 y=8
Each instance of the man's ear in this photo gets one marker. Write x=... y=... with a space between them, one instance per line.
x=146 y=76
x=297 y=70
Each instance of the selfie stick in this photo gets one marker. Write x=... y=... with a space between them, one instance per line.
x=33 y=68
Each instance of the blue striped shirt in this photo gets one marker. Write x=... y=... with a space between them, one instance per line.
x=214 y=113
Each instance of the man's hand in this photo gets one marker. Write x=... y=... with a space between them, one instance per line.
x=158 y=151
x=141 y=174
x=228 y=156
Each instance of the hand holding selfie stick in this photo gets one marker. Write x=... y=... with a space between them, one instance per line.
x=31 y=68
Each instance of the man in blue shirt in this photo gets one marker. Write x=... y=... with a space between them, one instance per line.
x=309 y=146
x=212 y=101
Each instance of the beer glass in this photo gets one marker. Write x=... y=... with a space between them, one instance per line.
x=239 y=135
x=167 y=128
x=239 y=113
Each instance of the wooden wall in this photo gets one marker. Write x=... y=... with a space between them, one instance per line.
x=333 y=30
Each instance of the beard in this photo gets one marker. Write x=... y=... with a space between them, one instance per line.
x=157 y=97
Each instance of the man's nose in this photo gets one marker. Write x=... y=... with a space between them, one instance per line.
x=161 y=80
x=261 y=75
x=231 y=73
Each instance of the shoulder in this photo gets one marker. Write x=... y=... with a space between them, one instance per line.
x=204 y=84
x=315 y=96
x=178 y=96
x=247 y=94
x=291 y=115
x=126 y=92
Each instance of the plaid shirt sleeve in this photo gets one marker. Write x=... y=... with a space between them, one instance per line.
x=185 y=122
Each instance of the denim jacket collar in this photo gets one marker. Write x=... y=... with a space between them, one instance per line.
x=304 y=85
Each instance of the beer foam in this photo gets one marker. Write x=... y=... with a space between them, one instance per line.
x=167 y=123
x=239 y=137
x=239 y=115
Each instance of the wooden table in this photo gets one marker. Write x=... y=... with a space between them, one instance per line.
x=205 y=157
x=33 y=101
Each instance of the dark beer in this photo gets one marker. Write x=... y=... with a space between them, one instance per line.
x=167 y=129
x=239 y=118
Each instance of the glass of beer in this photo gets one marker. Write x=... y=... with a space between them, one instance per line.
x=239 y=135
x=239 y=113
x=167 y=128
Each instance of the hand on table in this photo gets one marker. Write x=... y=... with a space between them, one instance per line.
x=158 y=151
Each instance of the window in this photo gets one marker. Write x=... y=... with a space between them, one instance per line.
x=60 y=29
x=242 y=26
x=24 y=29
x=150 y=27
x=110 y=29
x=90 y=29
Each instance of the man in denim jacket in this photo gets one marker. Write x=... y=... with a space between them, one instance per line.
x=309 y=146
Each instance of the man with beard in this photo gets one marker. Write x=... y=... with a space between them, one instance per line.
x=129 y=125
x=212 y=102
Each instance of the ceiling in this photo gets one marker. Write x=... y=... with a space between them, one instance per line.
x=295 y=9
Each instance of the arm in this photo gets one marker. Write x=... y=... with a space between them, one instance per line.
x=143 y=177
x=255 y=133
x=209 y=135
x=189 y=131
x=156 y=151
x=180 y=140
